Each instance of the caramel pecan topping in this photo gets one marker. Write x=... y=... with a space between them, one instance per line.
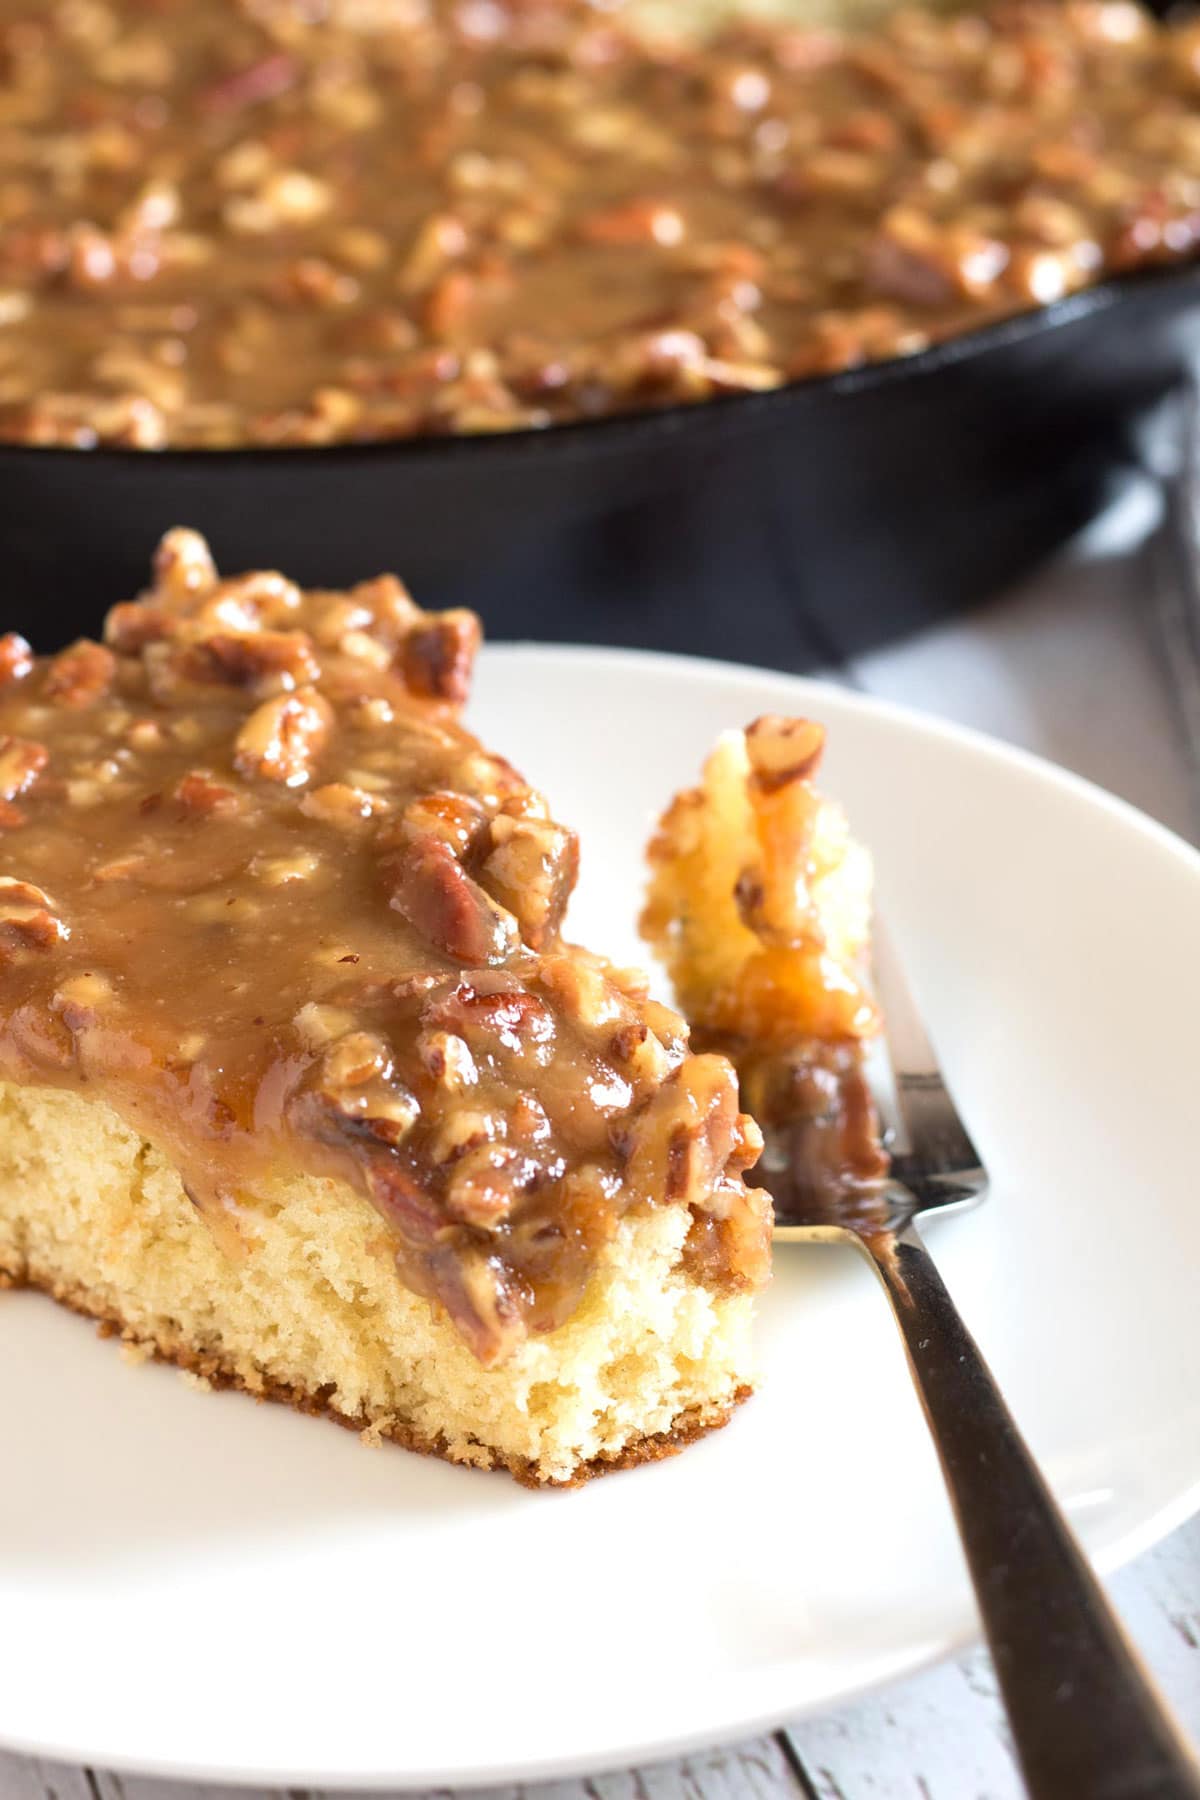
x=263 y=661
x=28 y=919
x=81 y=1000
x=427 y=885
x=183 y=565
x=222 y=226
x=695 y=1131
x=79 y=676
x=21 y=762
x=313 y=921
x=281 y=739
x=340 y=803
x=132 y=624
x=531 y=866
x=16 y=658
x=783 y=750
x=437 y=658
x=197 y=792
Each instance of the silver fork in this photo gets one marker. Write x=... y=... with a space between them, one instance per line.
x=1086 y=1719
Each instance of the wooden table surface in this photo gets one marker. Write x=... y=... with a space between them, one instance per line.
x=1072 y=666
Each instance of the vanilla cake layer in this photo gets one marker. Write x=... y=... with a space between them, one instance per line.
x=311 y=1311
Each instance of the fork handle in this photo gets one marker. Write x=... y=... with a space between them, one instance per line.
x=1087 y=1722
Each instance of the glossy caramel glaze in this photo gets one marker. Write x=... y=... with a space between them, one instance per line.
x=264 y=894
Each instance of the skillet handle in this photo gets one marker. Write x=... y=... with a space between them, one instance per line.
x=1086 y=1719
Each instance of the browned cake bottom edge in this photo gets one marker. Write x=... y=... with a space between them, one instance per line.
x=695 y=1422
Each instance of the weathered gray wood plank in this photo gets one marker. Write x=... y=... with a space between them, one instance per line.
x=28 y=1778
x=140 y=1787
x=755 y=1770
x=939 y=1737
x=758 y=1769
x=942 y=1736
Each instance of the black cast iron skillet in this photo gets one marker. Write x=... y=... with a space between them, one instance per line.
x=787 y=528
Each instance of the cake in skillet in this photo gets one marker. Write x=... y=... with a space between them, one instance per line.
x=300 y=1086
x=759 y=906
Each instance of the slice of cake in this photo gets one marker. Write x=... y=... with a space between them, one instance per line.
x=301 y=1087
x=759 y=906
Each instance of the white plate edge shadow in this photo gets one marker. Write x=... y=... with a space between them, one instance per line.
x=739 y=1721
x=736 y=1728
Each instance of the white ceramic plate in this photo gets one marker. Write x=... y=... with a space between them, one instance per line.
x=193 y=1585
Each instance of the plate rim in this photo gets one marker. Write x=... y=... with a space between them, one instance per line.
x=738 y=1721
x=476 y=1779
x=900 y=712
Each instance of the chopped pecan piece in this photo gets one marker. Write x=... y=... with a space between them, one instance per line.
x=447 y=1058
x=584 y=990
x=78 y=676
x=356 y=1080
x=44 y=1039
x=427 y=885
x=317 y=1026
x=464 y=1128
x=730 y=1249
x=78 y=1000
x=133 y=624
x=266 y=662
x=528 y=1120
x=183 y=565
x=436 y=658
x=16 y=658
x=639 y=221
x=487 y=1181
x=531 y=867
x=28 y=918
x=282 y=738
x=783 y=750
x=199 y=793
x=477 y=1291
x=453 y=819
x=387 y=603
x=747 y=1145
x=383 y=1112
x=405 y=1202
x=493 y=1013
x=21 y=762
x=357 y=1058
x=635 y=1046
x=339 y=803
x=279 y=871
x=682 y=1141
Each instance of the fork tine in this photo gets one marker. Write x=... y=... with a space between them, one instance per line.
x=907 y=1039
x=932 y=1142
